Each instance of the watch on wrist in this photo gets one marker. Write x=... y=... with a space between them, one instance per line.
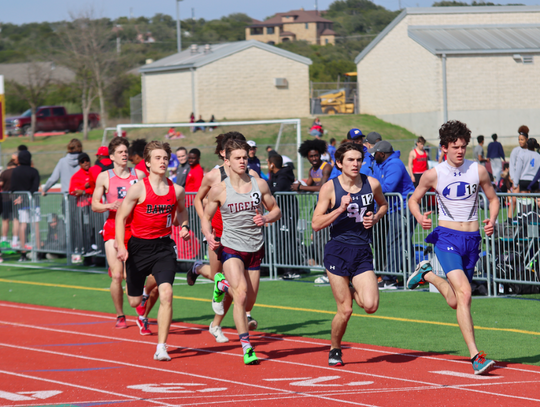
x=187 y=227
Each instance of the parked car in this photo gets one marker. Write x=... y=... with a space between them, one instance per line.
x=49 y=118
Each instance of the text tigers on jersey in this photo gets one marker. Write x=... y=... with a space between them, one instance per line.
x=242 y=206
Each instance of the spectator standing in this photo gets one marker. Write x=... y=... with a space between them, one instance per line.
x=103 y=163
x=7 y=204
x=316 y=129
x=478 y=152
x=212 y=120
x=196 y=173
x=136 y=153
x=201 y=128
x=192 y=120
x=81 y=182
x=527 y=166
x=183 y=166
x=495 y=155
x=253 y=162
x=24 y=178
x=418 y=161
x=82 y=186
x=393 y=176
x=66 y=167
x=523 y=132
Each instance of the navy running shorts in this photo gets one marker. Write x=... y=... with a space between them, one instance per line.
x=149 y=256
x=347 y=260
x=456 y=250
x=251 y=260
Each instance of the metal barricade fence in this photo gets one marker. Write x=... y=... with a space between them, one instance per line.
x=516 y=244
x=51 y=231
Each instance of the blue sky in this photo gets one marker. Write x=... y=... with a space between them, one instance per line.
x=26 y=11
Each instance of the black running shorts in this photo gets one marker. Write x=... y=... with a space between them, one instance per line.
x=149 y=256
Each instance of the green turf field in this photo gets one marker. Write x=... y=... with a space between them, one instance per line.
x=506 y=328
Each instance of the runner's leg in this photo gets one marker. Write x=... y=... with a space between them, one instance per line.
x=117 y=272
x=342 y=295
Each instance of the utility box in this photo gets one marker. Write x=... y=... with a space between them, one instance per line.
x=280 y=82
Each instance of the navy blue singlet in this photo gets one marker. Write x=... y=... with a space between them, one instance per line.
x=349 y=226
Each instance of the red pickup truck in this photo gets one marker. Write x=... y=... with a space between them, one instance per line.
x=49 y=118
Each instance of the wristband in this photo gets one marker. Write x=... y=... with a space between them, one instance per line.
x=187 y=227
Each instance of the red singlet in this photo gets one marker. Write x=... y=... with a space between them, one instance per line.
x=153 y=218
x=419 y=162
x=118 y=187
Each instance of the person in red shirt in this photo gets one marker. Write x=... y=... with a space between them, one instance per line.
x=81 y=182
x=196 y=173
x=103 y=163
x=136 y=152
x=81 y=185
x=154 y=204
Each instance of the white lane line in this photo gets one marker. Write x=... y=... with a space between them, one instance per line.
x=285 y=379
x=269 y=337
x=191 y=375
x=81 y=387
x=466 y=375
x=28 y=266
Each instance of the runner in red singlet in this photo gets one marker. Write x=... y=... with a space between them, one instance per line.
x=154 y=204
x=113 y=185
x=214 y=177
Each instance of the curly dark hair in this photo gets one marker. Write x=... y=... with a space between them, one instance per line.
x=222 y=139
x=452 y=131
x=137 y=147
x=348 y=146
x=308 y=145
x=524 y=131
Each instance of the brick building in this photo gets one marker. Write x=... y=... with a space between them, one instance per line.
x=295 y=25
x=240 y=80
x=480 y=65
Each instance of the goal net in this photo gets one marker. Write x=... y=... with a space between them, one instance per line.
x=284 y=136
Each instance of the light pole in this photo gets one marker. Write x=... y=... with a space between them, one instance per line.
x=178 y=32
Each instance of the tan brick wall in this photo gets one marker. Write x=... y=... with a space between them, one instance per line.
x=302 y=33
x=400 y=77
x=264 y=37
x=166 y=97
x=331 y=39
x=242 y=86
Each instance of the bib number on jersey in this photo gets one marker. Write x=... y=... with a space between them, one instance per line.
x=256 y=198
x=367 y=199
x=169 y=221
x=354 y=212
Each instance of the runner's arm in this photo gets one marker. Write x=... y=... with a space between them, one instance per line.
x=140 y=174
x=428 y=181
x=494 y=204
x=411 y=158
x=102 y=183
x=370 y=219
x=203 y=191
x=269 y=202
x=181 y=216
x=122 y=214
x=321 y=219
x=209 y=212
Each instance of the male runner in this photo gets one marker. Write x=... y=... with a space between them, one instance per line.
x=240 y=197
x=215 y=177
x=114 y=184
x=457 y=239
x=155 y=204
x=347 y=205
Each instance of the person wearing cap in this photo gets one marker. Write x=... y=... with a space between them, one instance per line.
x=371 y=139
x=495 y=155
x=394 y=178
x=368 y=165
x=103 y=163
x=66 y=167
x=253 y=162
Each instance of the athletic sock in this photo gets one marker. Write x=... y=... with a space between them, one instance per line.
x=144 y=293
x=15 y=240
x=223 y=286
x=160 y=346
x=244 y=340
x=248 y=314
x=141 y=318
x=4 y=239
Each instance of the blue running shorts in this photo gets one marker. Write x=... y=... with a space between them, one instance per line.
x=347 y=260
x=456 y=250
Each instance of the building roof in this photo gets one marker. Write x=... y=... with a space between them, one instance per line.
x=186 y=59
x=328 y=31
x=302 y=16
x=287 y=34
x=477 y=39
x=19 y=72
x=443 y=10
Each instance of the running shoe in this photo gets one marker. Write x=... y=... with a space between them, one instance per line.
x=217 y=299
x=252 y=323
x=23 y=257
x=322 y=280
x=141 y=309
x=334 y=359
x=161 y=354
x=218 y=334
x=417 y=277
x=143 y=326
x=4 y=245
x=218 y=307
x=192 y=273
x=121 y=322
x=482 y=365
x=250 y=358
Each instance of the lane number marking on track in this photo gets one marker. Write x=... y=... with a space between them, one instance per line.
x=466 y=375
x=174 y=388
x=308 y=381
x=28 y=395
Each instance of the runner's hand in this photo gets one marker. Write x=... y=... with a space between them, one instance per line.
x=184 y=234
x=259 y=219
x=426 y=221
x=115 y=205
x=369 y=220
x=122 y=254
x=345 y=201
x=211 y=240
x=489 y=227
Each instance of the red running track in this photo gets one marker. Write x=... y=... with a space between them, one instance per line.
x=51 y=356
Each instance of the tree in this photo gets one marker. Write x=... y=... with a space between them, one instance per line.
x=34 y=91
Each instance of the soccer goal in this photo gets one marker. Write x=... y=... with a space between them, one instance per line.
x=283 y=136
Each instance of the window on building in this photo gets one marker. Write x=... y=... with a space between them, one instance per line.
x=326 y=40
x=271 y=43
x=527 y=59
x=269 y=30
x=256 y=30
x=307 y=26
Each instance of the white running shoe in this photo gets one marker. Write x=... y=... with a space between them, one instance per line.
x=161 y=354
x=218 y=307
x=218 y=334
x=322 y=280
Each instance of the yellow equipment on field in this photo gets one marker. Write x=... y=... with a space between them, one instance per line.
x=340 y=100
